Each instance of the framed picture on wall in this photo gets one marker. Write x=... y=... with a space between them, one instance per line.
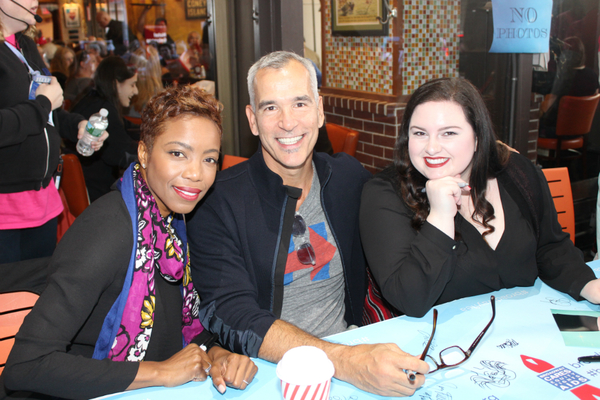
x=358 y=18
x=72 y=19
x=195 y=9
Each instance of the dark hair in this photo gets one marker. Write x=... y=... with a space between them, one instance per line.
x=110 y=71
x=159 y=20
x=176 y=102
x=577 y=51
x=488 y=159
x=81 y=56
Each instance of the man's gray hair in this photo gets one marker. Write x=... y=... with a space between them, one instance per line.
x=279 y=60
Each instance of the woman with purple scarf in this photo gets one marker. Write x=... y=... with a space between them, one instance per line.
x=121 y=291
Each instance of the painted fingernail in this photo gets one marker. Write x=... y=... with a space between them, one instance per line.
x=221 y=388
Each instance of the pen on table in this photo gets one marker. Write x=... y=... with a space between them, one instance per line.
x=589 y=358
x=411 y=375
x=460 y=185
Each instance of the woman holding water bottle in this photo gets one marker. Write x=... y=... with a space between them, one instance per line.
x=31 y=122
x=115 y=85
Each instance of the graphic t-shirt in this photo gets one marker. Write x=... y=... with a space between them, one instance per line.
x=313 y=297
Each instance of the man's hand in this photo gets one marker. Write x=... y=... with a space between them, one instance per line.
x=375 y=368
x=378 y=368
x=96 y=144
x=230 y=369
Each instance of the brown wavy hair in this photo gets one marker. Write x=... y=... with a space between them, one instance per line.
x=173 y=103
x=149 y=81
x=58 y=63
x=488 y=159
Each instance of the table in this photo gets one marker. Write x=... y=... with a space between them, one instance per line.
x=522 y=356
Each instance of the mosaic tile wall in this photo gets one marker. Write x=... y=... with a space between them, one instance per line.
x=357 y=63
x=431 y=41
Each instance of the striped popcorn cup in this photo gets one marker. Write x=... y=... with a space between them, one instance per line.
x=305 y=373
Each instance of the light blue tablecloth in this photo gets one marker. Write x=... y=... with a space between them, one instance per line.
x=524 y=326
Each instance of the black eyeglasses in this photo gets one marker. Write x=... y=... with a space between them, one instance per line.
x=453 y=356
x=304 y=250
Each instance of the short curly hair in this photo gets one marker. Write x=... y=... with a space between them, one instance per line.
x=174 y=103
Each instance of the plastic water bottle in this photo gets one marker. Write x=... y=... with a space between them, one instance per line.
x=94 y=128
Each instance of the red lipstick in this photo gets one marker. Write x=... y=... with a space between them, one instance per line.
x=435 y=164
x=187 y=193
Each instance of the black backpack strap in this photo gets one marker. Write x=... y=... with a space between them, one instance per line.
x=293 y=194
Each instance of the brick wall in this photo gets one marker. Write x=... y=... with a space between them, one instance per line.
x=377 y=123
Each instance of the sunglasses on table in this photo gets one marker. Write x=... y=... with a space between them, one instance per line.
x=453 y=356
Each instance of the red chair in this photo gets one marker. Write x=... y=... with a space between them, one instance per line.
x=342 y=139
x=574 y=122
x=13 y=309
x=73 y=184
x=560 y=188
x=230 y=161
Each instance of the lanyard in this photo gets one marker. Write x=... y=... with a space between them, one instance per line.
x=21 y=57
x=34 y=85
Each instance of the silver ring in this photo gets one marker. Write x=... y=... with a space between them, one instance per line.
x=245 y=381
x=207 y=370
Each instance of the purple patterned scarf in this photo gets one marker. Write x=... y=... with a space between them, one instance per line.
x=158 y=249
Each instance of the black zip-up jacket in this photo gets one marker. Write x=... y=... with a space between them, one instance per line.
x=29 y=145
x=54 y=347
x=234 y=239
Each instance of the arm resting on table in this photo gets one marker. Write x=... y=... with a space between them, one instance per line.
x=412 y=268
x=377 y=368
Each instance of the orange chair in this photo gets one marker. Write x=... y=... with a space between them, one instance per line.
x=73 y=184
x=230 y=161
x=13 y=309
x=560 y=188
x=574 y=121
x=133 y=120
x=342 y=139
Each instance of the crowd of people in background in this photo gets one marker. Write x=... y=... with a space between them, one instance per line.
x=169 y=62
x=120 y=73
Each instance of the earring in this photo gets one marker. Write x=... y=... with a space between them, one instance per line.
x=144 y=166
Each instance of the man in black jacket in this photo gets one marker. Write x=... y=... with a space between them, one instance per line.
x=115 y=33
x=275 y=248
